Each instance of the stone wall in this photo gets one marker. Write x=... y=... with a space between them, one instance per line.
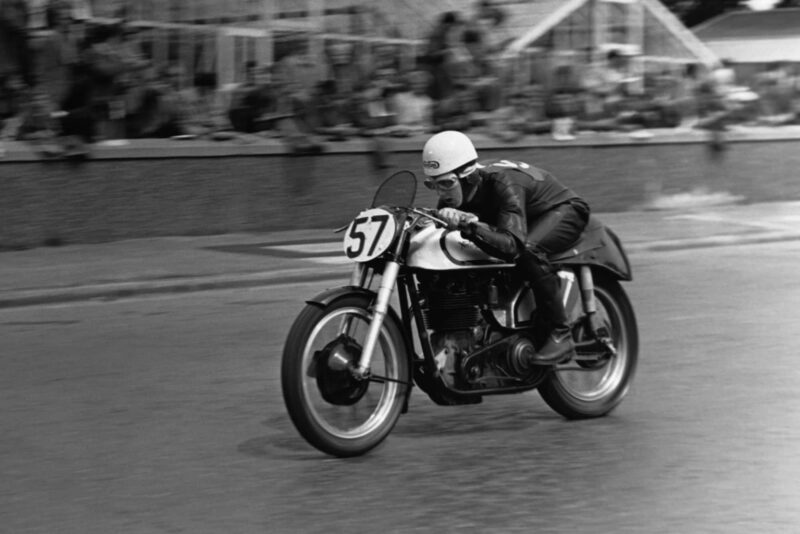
x=156 y=188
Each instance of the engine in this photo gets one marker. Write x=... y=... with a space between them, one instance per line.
x=471 y=349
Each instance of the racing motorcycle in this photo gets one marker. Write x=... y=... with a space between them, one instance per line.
x=426 y=306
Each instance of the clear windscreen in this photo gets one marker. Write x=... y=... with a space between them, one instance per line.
x=400 y=189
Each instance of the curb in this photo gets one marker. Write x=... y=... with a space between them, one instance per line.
x=120 y=290
x=668 y=245
x=128 y=289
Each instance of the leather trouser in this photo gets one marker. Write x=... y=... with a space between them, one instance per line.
x=553 y=232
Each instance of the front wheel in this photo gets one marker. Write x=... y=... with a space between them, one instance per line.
x=335 y=412
x=593 y=391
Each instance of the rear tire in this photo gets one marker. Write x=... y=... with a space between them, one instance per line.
x=594 y=392
x=333 y=411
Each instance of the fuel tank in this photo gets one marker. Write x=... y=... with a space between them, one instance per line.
x=439 y=249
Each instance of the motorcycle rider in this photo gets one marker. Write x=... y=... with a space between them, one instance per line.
x=513 y=211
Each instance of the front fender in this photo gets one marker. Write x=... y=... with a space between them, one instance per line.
x=327 y=297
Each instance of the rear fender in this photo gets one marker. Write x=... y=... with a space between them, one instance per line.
x=599 y=247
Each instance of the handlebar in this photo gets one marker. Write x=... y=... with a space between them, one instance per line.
x=429 y=214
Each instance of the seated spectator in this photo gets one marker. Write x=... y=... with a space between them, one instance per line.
x=158 y=110
x=12 y=97
x=331 y=112
x=523 y=114
x=246 y=103
x=455 y=112
x=205 y=113
x=563 y=102
x=372 y=110
x=773 y=86
x=663 y=92
x=606 y=85
x=413 y=106
x=38 y=125
x=794 y=84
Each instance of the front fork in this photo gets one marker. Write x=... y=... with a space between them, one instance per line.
x=379 y=310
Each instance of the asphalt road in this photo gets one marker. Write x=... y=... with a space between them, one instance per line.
x=164 y=414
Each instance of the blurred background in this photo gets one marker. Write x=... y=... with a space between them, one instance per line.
x=76 y=72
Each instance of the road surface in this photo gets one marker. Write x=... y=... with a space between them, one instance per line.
x=164 y=414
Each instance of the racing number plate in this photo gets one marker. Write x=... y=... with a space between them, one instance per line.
x=369 y=235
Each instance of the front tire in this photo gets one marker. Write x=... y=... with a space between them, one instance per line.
x=580 y=393
x=335 y=412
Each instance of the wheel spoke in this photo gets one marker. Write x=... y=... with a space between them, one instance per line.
x=383 y=379
x=593 y=380
x=345 y=406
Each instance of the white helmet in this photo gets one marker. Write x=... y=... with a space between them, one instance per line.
x=446 y=152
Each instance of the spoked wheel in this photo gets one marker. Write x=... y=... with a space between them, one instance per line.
x=333 y=410
x=594 y=389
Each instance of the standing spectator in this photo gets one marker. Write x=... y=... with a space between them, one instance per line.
x=291 y=118
x=15 y=58
x=483 y=76
x=242 y=111
x=447 y=31
x=488 y=22
x=686 y=95
x=562 y=105
x=342 y=65
x=59 y=51
x=78 y=122
x=109 y=63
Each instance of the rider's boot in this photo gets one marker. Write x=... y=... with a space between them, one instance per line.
x=559 y=346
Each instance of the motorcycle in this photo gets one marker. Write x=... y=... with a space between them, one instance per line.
x=466 y=323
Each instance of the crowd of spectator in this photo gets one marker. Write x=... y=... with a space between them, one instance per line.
x=81 y=83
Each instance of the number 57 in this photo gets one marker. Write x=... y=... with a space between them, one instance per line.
x=371 y=234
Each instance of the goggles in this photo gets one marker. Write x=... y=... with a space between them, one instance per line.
x=442 y=183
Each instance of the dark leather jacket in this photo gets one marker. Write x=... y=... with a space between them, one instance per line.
x=509 y=197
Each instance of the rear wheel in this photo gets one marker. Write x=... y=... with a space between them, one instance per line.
x=594 y=390
x=334 y=411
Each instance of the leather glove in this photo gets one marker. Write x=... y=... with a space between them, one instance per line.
x=457 y=218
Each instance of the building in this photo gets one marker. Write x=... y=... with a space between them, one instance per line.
x=223 y=35
x=752 y=40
